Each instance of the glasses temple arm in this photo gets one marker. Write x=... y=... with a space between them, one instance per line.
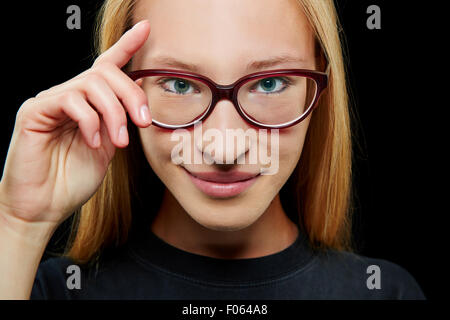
x=328 y=70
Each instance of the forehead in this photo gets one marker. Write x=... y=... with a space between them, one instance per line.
x=224 y=34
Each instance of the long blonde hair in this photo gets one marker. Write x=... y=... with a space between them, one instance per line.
x=317 y=195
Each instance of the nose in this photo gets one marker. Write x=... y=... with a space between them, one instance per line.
x=221 y=140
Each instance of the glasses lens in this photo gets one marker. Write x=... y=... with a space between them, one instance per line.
x=277 y=100
x=176 y=100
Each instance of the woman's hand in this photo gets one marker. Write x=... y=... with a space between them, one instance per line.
x=65 y=137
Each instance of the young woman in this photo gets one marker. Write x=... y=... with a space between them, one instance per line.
x=205 y=218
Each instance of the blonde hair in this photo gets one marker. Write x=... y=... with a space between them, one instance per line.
x=317 y=195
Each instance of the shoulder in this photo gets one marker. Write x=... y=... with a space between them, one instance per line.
x=359 y=276
x=109 y=275
x=62 y=278
x=51 y=276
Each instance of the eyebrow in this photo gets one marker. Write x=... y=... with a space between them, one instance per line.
x=252 y=66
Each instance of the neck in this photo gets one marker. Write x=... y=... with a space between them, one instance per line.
x=271 y=233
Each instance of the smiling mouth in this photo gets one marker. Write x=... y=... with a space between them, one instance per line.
x=222 y=184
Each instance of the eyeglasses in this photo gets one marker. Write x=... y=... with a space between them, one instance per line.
x=270 y=99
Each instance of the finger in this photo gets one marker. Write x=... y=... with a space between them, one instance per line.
x=119 y=54
x=61 y=87
x=130 y=94
x=103 y=99
x=124 y=49
x=72 y=104
x=128 y=91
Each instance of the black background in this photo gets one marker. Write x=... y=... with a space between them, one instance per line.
x=397 y=173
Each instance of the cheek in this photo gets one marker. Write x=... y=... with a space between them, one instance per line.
x=291 y=146
x=157 y=146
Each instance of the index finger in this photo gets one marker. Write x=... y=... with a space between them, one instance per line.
x=124 y=49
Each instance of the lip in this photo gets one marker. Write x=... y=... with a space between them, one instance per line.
x=222 y=184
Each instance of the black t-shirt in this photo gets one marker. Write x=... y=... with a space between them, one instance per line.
x=149 y=268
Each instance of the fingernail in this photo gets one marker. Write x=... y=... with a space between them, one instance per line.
x=138 y=24
x=96 y=140
x=145 y=114
x=123 y=135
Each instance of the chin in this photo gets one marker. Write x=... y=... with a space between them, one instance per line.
x=233 y=218
x=220 y=226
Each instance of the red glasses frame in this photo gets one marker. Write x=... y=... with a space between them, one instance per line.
x=230 y=92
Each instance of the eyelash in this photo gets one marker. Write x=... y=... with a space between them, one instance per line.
x=164 y=80
x=286 y=82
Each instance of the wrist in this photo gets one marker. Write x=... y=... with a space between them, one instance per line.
x=31 y=234
x=35 y=233
x=22 y=245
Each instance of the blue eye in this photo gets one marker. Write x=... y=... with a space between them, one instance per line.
x=268 y=85
x=177 y=86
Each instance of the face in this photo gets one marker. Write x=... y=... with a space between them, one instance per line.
x=221 y=38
